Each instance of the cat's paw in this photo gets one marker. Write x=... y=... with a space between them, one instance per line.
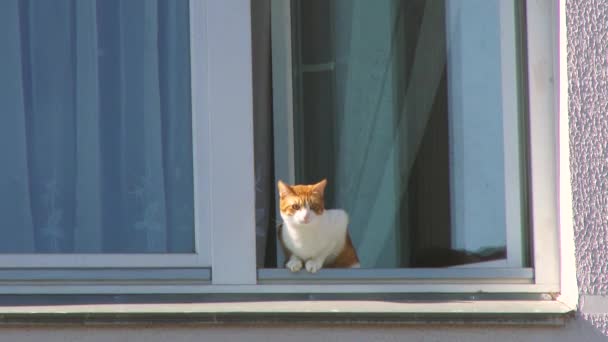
x=313 y=266
x=294 y=265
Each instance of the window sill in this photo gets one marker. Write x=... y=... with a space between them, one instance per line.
x=399 y=275
x=515 y=312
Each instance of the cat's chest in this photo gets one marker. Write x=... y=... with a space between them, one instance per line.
x=314 y=241
x=307 y=243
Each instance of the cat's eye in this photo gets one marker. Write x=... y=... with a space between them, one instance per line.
x=315 y=207
x=295 y=206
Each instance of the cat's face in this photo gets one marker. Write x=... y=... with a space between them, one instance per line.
x=301 y=204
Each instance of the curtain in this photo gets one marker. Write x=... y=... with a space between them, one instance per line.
x=95 y=129
x=398 y=105
x=263 y=146
x=370 y=97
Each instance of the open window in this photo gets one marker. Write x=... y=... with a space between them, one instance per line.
x=424 y=120
x=414 y=112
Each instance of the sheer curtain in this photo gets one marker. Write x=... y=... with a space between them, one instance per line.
x=95 y=132
x=371 y=118
x=400 y=105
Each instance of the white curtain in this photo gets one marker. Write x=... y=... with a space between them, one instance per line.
x=398 y=104
x=95 y=132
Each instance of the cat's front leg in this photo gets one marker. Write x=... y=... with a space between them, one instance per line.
x=294 y=264
x=313 y=265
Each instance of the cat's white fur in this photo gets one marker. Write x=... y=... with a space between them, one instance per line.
x=314 y=239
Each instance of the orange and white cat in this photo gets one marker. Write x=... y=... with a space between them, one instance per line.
x=312 y=236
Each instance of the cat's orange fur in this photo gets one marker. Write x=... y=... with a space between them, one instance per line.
x=296 y=197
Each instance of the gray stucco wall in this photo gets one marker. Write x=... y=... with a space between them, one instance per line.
x=579 y=332
x=587 y=24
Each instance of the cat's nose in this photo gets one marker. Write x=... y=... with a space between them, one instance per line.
x=306 y=218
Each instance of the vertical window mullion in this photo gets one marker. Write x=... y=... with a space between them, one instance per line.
x=228 y=114
x=512 y=136
x=200 y=134
x=543 y=141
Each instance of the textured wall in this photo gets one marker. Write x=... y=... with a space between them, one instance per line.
x=587 y=24
x=575 y=331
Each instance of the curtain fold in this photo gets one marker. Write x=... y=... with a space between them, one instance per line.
x=142 y=132
x=14 y=184
x=95 y=127
x=88 y=232
x=265 y=221
x=51 y=122
x=174 y=73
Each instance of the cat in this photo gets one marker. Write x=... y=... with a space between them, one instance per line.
x=312 y=236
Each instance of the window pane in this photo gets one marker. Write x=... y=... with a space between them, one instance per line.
x=95 y=131
x=405 y=106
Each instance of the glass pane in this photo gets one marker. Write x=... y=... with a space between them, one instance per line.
x=95 y=132
x=405 y=107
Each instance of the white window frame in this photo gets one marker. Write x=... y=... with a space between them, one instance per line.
x=223 y=103
x=547 y=152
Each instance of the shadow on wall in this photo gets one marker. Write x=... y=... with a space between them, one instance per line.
x=597 y=323
x=593 y=310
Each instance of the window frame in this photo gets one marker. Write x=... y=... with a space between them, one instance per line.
x=547 y=155
x=224 y=153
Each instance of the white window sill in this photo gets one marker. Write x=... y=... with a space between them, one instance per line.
x=546 y=312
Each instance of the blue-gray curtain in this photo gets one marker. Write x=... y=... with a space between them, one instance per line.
x=95 y=127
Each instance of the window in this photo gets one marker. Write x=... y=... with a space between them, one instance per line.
x=412 y=110
x=97 y=137
x=416 y=54
x=426 y=118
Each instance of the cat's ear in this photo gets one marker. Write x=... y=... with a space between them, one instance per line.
x=284 y=189
x=319 y=188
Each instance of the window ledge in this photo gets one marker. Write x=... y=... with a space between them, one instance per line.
x=513 y=312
